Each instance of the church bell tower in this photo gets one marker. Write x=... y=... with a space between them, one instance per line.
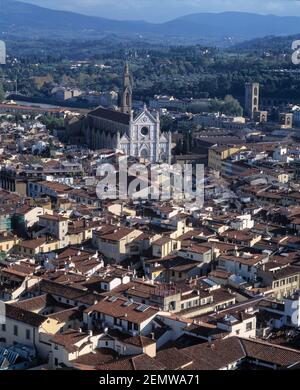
x=126 y=101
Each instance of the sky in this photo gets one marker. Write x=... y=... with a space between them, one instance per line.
x=163 y=10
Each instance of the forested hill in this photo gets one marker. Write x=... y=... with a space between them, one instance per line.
x=27 y=20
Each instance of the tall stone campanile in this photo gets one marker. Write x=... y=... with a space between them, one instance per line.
x=126 y=101
x=251 y=99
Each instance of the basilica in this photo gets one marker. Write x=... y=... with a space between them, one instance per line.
x=136 y=134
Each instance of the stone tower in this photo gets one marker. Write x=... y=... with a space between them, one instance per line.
x=251 y=99
x=126 y=101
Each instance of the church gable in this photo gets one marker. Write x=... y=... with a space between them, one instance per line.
x=163 y=138
x=124 y=139
x=144 y=117
x=135 y=134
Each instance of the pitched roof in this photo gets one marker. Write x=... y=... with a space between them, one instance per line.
x=21 y=315
x=173 y=359
x=118 y=309
x=68 y=339
x=216 y=355
x=139 y=362
x=256 y=349
x=111 y=115
x=68 y=292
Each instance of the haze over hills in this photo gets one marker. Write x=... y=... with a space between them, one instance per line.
x=23 y=19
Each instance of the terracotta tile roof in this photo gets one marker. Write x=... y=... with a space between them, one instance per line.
x=67 y=315
x=140 y=362
x=173 y=359
x=54 y=217
x=118 y=234
x=38 y=303
x=33 y=244
x=140 y=341
x=111 y=115
x=216 y=355
x=98 y=357
x=285 y=272
x=117 y=309
x=256 y=349
x=68 y=339
x=81 y=296
x=57 y=187
x=21 y=315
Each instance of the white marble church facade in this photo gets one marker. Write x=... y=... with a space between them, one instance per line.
x=136 y=134
x=145 y=140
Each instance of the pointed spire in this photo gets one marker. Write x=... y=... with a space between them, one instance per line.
x=126 y=105
x=126 y=70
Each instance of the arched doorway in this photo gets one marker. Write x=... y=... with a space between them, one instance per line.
x=145 y=155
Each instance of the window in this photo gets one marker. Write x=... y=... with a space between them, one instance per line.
x=56 y=362
x=145 y=131
x=3 y=328
x=27 y=334
x=248 y=326
x=135 y=327
x=15 y=330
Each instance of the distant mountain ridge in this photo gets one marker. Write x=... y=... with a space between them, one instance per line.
x=23 y=19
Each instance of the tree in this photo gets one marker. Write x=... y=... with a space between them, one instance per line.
x=2 y=95
x=232 y=106
x=166 y=123
x=228 y=106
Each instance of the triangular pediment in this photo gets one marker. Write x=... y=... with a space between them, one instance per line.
x=124 y=139
x=144 y=117
x=163 y=138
